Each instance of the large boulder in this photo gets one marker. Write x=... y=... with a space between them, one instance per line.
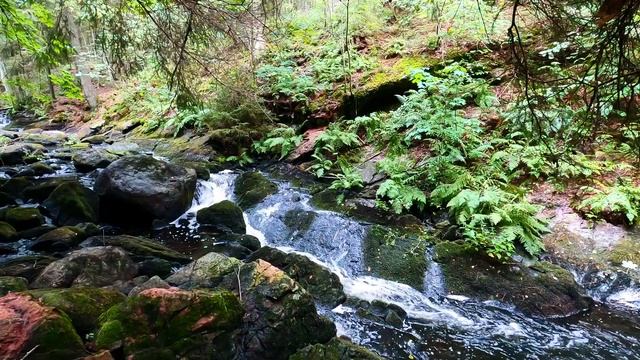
x=224 y=216
x=93 y=159
x=82 y=305
x=172 y=323
x=253 y=187
x=89 y=267
x=336 y=349
x=140 y=188
x=324 y=285
x=71 y=204
x=280 y=315
x=138 y=247
x=539 y=289
x=31 y=330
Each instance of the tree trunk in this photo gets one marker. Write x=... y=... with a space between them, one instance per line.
x=88 y=89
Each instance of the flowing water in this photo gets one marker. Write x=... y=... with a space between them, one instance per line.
x=437 y=326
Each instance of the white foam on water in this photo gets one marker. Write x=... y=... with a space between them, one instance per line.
x=208 y=192
x=628 y=297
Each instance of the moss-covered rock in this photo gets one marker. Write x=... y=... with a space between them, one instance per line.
x=42 y=189
x=72 y=203
x=230 y=141
x=89 y=267
x=157 y=322
x=280 y=315
x=324 y=285
x=41 y=168
x=627 y=249
x=17 y=153
x=208 y=271
x=7 y=232
x=298 y=220
x=15 y=186
x=29 y=327
x=12 y=284
x=138 y=189
x=335 y=349
x=252 y=187
x=223 y=216
x=28 y=266
x=92 y=159
x=82 y=305
x=22 y=218
x=540 y=289
x=140 y=248
x=396 y=255
x=59 y=239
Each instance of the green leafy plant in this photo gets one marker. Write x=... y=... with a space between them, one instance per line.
x=67 y=84
x=279 y=141
x=623 y=199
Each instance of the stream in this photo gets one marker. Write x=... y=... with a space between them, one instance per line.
x=437 y=326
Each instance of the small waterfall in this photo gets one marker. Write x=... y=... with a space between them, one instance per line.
x=4 y=118
x=436 y=323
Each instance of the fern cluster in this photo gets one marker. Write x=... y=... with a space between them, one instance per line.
x=622 y=199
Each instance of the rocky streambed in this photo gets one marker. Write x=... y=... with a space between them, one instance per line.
x=117 y=248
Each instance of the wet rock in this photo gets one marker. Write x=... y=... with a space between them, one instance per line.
x=22 y=218
x=280 y=315
x=28 y=267
x=324 y=285
x=153 y=283
x=122 y=148
x=138 y=189
x=396 y=255
x=298 y=220
x=6 y=199
x=206 y=272
x=36 y=231
x=248 y=241
x=155 y=267
x=16 y=186
x=252 y=187
x=379 y=311
x=46 y=138
x=223 y=216
x=93 y=267
x=335 y=349
x=7 y=249
x=17 y=153
x=92 y=159
x=12 y=284
x=60 y=239
x=540 y=289
x=41 y=168
x=95 y=139
x=7 y=232
x=140 y=248
x=157 y=324
x=82 y=305
x=29 y=327
x=72 y=203
x=41 y=190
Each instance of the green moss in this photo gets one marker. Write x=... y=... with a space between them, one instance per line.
x=23 y=218
x=55 y=339
x=395 y=255
x=83 y=305
x=7 y=232
x=13 y=284
x=627 y=249
x=224 y=215
x=539 y=289
x=336 y=349
x=253 y=187
x=163 y=321
x=71 y=203
x=398 y=71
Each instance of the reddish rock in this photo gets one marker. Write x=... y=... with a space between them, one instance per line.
x=28 y=327
x=306 y=148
